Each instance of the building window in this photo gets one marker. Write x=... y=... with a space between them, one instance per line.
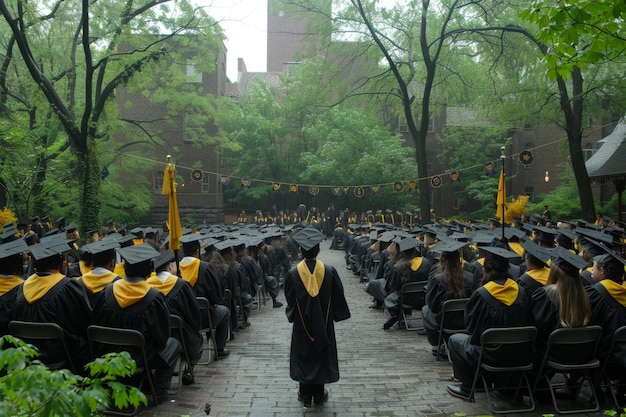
x=430 y=162
x=431 y=124
x=158 y=181
x=587 y=151
x=205 y=183
x=193 y=76
x=292 y=68
x=458 y=199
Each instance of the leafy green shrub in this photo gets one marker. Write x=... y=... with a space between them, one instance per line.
x=29 y=388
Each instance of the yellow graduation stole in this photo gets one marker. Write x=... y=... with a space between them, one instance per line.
x=506 y=294
x=127 y=293
x=164 y=286
x=540 y=275
x=189 y=271
x=312 y=281
x=96 y=283
x=35 y=287
x=617 y=291
x=8 y=282
x=416 y=263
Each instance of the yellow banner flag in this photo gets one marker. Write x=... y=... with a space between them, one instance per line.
x=173 y=217
x=501 y=200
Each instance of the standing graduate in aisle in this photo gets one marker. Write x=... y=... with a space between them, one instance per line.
x=315 y=300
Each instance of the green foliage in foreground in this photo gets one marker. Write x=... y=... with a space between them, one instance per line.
x=29 y=388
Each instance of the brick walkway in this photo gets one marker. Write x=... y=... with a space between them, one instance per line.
x=383 y=373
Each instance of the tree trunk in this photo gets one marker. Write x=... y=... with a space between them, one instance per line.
x=90 y=198
x=573 y=114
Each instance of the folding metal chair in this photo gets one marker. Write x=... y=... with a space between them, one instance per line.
x=208 y=332
x=121 y=338
x=519 y=339
x=35 y=332
x=582 y=345
x=618 y=338
x=448 y=307
x=176 y=325
x=416 y=290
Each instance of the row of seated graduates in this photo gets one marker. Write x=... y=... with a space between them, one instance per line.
x=530 y=248
x=103 y=263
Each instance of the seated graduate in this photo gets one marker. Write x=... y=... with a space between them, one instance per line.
x=101 y=257
x=182 y=302
x=500 y=302
x=608 y=310
x=379 y=287
x=11 y=270
x=48 y=296
x=563 y=302
x=451 y=282
x=131 y=303
x=206 y=282
x=411 y=267
x=271 y=282
x=536 y=274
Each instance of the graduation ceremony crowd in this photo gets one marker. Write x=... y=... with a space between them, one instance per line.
x=540 y=273
x=131 y=280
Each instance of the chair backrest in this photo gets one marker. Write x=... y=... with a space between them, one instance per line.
x=508 y=335
x=574 y=344
x=27 y=330
x=454 y=304
x=413 y=287
x=117 y=337
x=203 y=303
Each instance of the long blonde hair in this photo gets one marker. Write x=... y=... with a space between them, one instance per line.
x=574 y=306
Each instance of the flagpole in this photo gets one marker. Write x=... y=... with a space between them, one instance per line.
x=502 y=156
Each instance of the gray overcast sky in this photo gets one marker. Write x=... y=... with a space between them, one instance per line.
x=245 y=25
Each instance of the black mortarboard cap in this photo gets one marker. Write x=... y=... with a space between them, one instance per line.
x=500 y=252
x=592 y=247
x=608 y=256
x=308 y=238
x=136 y=254
x=449 y=245
x=9 y=234
x=92 y=232
x=595 y=235
x=164 y=258
x=539 y=252
x=101 y=246
x=71 y=228
x=47 y=250
x=223 y=245
x=407 y=243
x=567 y=261
x=12 y=248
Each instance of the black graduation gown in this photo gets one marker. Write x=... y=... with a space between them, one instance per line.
x=533 y=279
x=150 y=316
x=545 y=309
x=181 y=301
x=313 y=356
x=8 y=293
x=437 y=293
x=484 y=311
x=67 y=305
x=608 y=310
